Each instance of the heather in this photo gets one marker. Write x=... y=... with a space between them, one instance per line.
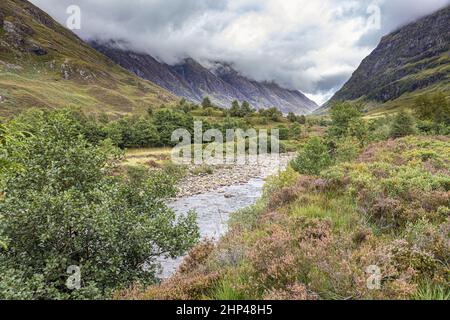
x=362 y=212
x=318 y=234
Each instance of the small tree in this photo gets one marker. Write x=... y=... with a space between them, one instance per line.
x=235 y=110
x=342 y=115
x=246 y=109
x=206 y=103
x=302 y=119
x=292 y=117
x=313 y=158
x=283 y=132
x=296 y=131
x=402 y=125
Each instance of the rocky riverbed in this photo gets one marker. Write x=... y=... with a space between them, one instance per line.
x=240 y=172
x=216 y=195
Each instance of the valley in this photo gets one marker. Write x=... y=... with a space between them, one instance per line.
x=345 y=201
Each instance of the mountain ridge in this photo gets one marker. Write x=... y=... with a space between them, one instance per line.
x=221 y=83
x=45 y=65
x=413 y=58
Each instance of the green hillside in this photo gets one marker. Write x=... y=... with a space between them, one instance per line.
x=407 y=63
x=42 y=64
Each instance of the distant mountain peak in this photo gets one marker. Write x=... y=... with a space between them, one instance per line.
x=217 y=79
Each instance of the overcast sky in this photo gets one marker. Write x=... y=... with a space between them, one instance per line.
x=309 y=45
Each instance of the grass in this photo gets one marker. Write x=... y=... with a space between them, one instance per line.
x=105 y=87
x=341 y=211
x=313 y=237
x=147 y=156
x=429 y=291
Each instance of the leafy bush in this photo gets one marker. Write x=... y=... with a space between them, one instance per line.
x=167 y=121
x=62 y=207
x=283 y=132
x=347 y=149
x=313 y=158
x=403 y=125
x=342 y=116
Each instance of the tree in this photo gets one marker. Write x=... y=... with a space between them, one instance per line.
x=167 y=121
x=235 y=109
x=296 y=131
x=272 y=113
x=246 y=110
x=402 y=125
x=65 y=208
x=283 y=132
x=342 y=114
x=206 y=103
x=143 y=134
x=313 y=158
x=292 y=117
x=302 y=119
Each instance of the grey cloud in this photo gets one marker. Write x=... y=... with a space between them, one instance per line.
x=314 y=52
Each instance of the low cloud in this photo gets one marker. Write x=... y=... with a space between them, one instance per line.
x=312 y=46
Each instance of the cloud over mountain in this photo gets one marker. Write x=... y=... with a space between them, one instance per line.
x=312 y=46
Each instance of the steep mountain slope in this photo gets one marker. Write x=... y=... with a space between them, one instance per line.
x=205 y=83
x=42 y=64
x=191 y=80
x=413 y=59
x=265 y=93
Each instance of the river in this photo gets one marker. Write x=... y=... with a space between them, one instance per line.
x=213 y=210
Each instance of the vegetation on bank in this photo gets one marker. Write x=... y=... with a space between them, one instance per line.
x=366 y=201
x=360 y=193
x=66 y=199
x=63 y=203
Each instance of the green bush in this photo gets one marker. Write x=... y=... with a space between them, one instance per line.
x=313 y=158
x=403 y=125
x=283 y=132
x=347 y=149
x=62 y=206
x=167 y=121
x=343 y=115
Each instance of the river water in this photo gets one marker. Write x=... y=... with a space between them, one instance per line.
x=213 y=210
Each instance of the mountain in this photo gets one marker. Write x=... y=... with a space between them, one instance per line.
x=43 y=64
x=220 y=82
x=265 y=93
x=409 y=61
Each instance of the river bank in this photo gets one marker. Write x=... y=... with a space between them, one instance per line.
x=240 y=172
x=215 y=196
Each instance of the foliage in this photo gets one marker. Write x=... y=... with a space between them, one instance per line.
x=240 y=111
x=344 y=116
x=284 y=133
x=272 y=114
x=63 y=207
x=313 y=158
x=402 y=125
x=435 y=109
x=167 y=121
x=206 y=103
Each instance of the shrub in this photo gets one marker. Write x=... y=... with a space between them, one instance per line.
x=167 y=121
x=64 y=207
x=283 y=132
x=342 y=115
x=402 y=125
x=347 y=149
x=313 y=158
